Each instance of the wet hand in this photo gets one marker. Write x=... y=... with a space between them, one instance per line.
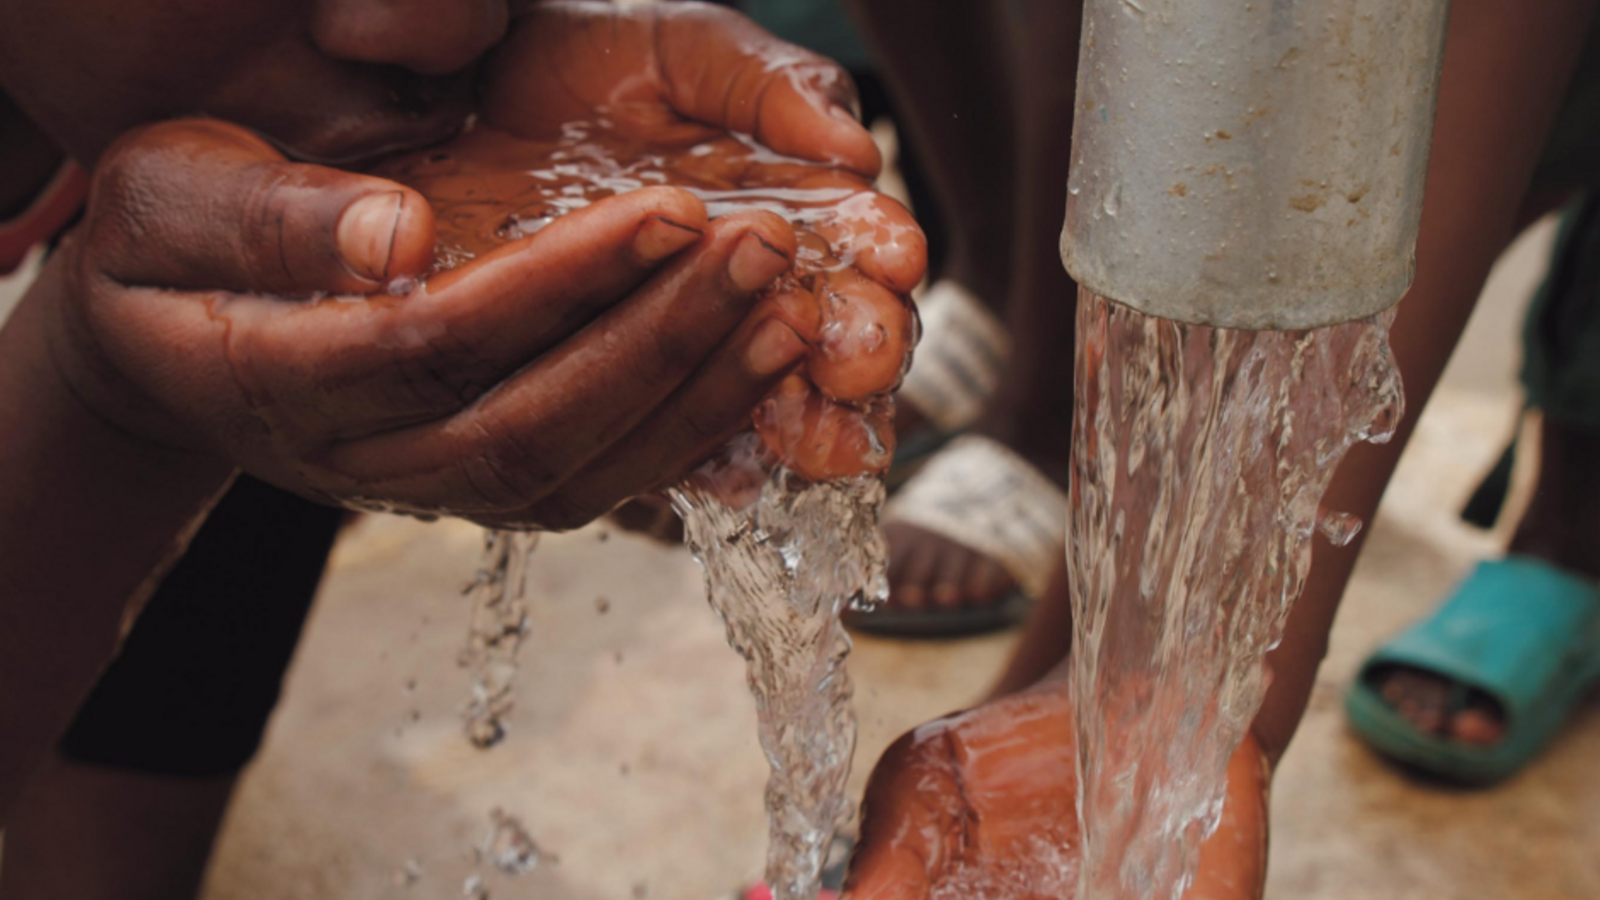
x=585 y=98
x=666 y=72
x=979 y=804
x=222 y=299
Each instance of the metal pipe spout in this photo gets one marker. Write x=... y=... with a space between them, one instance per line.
x=1252 y=163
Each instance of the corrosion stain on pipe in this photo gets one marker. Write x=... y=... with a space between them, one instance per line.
x=1252 y=164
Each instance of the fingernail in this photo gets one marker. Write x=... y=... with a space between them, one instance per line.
x=660 y=237
x=774 y=347
x=366 y=232
x=755 y=263
x=840 y=112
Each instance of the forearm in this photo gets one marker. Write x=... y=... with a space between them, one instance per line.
x=88 y=518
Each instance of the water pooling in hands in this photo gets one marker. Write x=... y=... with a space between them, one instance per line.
x=784 y=519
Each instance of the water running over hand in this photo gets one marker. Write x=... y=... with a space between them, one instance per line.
x=1200 y=456
x=785 y=520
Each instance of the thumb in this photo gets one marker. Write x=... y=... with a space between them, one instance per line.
x=199 y=204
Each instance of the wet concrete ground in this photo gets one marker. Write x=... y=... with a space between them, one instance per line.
x=632 y=756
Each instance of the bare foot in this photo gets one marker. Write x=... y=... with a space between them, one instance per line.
x=1427 y=701
x=929 y=570
x=982 y=803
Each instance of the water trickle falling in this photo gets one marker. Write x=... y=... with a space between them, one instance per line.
x=498 y=627
x=779 y=571
x=783 y=553
x=1200 y=456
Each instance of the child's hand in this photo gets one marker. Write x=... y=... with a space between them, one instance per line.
x=983 y=803
x=187 y=318
x=666 y=72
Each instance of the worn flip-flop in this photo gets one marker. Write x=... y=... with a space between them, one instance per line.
x=981 y=494
x=1521 y=631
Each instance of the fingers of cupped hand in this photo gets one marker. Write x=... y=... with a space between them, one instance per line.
x=711 y=407
x=657 y=64
x=532 y=432
x=350 y=369
x=199 y=204
x=720 y=68
x=889 y=246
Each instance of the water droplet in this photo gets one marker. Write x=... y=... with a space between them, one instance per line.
x=1340 y=528
x=508 y=846
x=408 y=874
x=1113 y=202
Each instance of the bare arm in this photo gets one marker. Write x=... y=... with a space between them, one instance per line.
x=88 y=514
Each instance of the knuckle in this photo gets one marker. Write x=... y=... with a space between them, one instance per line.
x=501 y=471
x=438 y=375
x=705 y=426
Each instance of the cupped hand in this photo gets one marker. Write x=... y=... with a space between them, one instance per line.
x=983 y=804
x=586 y=100
x=221 y=298
x=667 y=72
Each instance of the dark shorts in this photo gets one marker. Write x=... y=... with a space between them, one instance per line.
x=196 y=681
x=1561 y=339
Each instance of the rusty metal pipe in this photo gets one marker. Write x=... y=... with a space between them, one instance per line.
x=1252 y=163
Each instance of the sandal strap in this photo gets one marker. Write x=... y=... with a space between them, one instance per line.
x=981 y=494
x=959 y=360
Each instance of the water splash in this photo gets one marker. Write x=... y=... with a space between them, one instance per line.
x=495 y=634
x=1199 y=458
x=781 y=564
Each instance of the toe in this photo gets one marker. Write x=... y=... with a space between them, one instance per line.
x=911 y=566
x=1478 y=725
x=987 y=581
x=949 y=577
x=1419 y=697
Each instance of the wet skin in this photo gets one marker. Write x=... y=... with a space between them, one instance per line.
x=226 y=303
x=980 y=803
x=857 y=253
x=452 y=397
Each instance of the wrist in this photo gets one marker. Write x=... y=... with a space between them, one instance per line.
x=82 y=427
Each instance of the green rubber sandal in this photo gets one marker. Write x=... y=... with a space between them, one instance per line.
x=1520 y=630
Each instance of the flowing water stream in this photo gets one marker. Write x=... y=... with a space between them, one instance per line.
x=779 y=571
x=1200 y=457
